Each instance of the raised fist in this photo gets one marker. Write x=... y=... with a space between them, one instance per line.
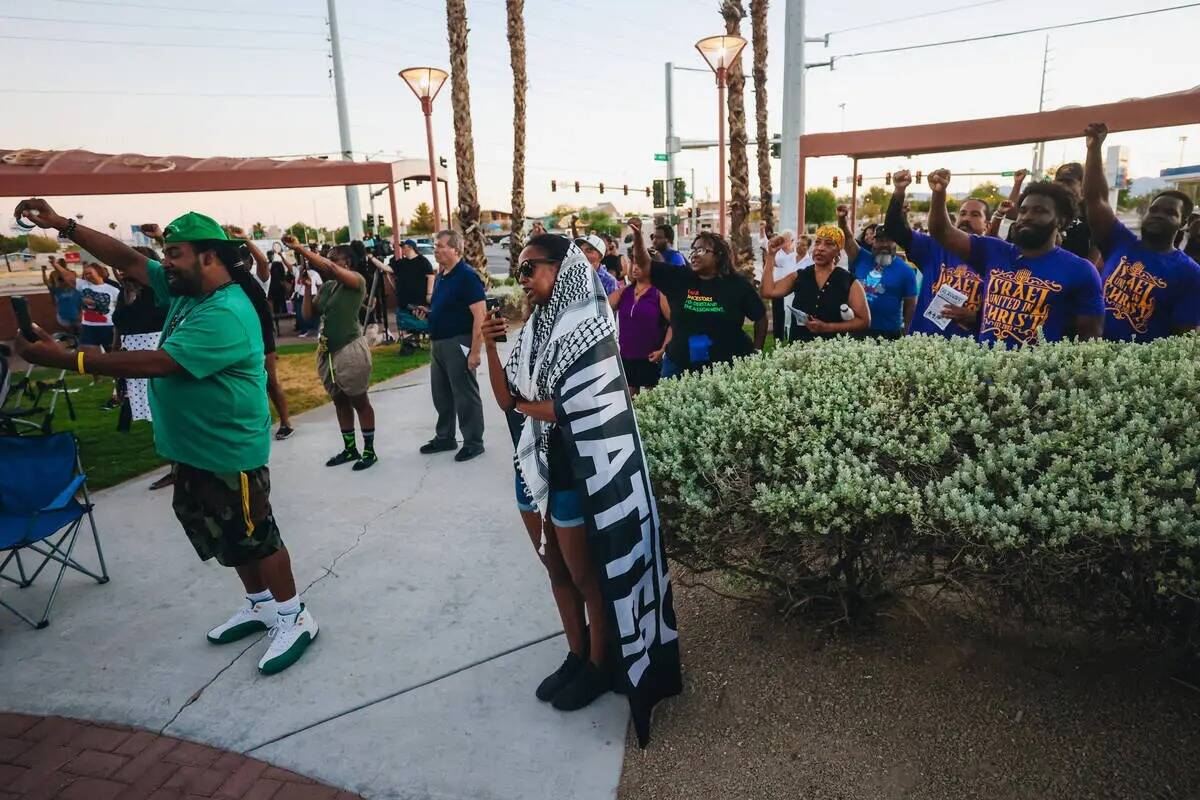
x=1005 y=207
x=289 y=240
x=902 y=180
x=1095 y=134
x=635 y=224
x=938 y=180
x=843 y=212
x=1020 y=175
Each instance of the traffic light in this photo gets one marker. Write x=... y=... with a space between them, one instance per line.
x=554 y=186
x=647 y=191
x=601 y=187
x=379 y=222
x=917 y=177
x=576 y=187
x=777 y=147
x=625 y=189
x=835 y=181
x=887 y=179
x=660 y=194
x=858 y=180
x=406 y=186
x=680 y=191
x=442 y=162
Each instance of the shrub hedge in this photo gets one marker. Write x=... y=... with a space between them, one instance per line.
x=1059 y=480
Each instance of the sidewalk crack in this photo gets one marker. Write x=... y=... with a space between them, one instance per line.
x=196 y=694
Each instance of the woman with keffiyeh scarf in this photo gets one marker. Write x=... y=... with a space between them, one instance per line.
x=570 y=315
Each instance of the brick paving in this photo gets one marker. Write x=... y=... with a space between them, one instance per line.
x=55 y=757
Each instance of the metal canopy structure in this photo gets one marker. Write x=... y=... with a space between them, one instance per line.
x=1160 y=111
x=47 y=173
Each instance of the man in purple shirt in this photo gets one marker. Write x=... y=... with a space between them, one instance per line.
x=1151 y=289
x=1032 y=289
x=938 y=266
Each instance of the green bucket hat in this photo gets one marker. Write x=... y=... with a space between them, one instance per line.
x=193 y=227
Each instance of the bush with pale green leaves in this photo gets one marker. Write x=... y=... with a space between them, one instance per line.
x=1059 y=480
x=512 y=300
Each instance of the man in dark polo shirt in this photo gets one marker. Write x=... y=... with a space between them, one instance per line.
x=456 y=312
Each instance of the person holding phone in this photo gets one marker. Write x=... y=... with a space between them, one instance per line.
x=209 y=402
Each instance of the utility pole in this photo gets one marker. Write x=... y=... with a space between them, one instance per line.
x=790 y=201
x=339 y=86
x=669 y=150
x=1039 y=161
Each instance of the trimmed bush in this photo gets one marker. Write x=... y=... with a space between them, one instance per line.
x=1059 y=480
x=512 y=299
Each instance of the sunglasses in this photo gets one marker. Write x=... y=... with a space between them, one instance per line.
x=526 y=267
x=700 y=251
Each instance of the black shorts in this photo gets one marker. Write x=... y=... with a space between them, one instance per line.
x=227 y=517
x=641 y=372
x=268 y=333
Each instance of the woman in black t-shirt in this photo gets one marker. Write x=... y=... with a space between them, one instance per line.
x=820 y=291
x=709 y=304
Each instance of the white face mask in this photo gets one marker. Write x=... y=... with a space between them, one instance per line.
x=883 y=259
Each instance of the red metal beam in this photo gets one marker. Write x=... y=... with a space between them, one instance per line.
x=1162 y=111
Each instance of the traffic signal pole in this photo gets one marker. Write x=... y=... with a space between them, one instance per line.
x=670 y=187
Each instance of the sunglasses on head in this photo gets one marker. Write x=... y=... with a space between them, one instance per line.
x=526 y=267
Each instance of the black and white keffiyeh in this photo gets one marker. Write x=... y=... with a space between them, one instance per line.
x=555 y=335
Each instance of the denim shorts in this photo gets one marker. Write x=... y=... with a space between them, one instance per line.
x=566 y=508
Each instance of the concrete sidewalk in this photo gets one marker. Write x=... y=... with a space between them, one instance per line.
x=436 y=625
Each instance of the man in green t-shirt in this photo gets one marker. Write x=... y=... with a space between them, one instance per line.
x=343 y=354
x=208 y=399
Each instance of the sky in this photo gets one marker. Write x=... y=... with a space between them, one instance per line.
x=232 y=78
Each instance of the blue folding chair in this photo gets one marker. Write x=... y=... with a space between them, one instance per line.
x=40 y=477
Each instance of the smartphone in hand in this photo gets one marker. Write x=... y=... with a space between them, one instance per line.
x=24 y=321
x=493 y=309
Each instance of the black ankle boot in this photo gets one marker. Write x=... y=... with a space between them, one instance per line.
x=555 y=681
x=589 y=683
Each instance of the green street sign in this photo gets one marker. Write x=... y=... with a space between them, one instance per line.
x=1007 y=174
x=661 y=157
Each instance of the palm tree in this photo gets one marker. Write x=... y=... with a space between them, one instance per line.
x=758 y=27
x=464 y=142
x=516 y=48
x=739 y=166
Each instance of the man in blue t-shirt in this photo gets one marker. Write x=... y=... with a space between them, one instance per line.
x=1031 y=288
x=456 y=311
x=939 y=267
x=889 y=282
x=1151 y=289
x=663 y=240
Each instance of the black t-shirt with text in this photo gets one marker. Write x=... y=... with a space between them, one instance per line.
x=707 y=314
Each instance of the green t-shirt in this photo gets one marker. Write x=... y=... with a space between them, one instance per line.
x=339 y=305
x=213 y=415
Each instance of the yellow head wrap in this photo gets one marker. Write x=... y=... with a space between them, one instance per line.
x=831 y=232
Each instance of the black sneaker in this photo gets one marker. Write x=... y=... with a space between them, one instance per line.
x=344 y=457
x=468 y=452
x=438 y=446
x=366 y=462
x=556 y=680
x=589 y=683
x=284 y=432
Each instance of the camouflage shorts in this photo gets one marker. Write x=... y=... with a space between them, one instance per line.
x=227 y=516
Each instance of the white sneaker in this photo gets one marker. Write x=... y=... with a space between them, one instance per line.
x=249 y=619
x=290 y=637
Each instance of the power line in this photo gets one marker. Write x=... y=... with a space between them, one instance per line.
x=243 y=47
x=162 y=94
x=916 y=16
x=239 y=12
x=1014 y=33
x=159 y=27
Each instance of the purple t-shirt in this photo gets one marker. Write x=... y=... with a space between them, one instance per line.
x=1146 y=294
x=940 y=267
x=1024 y=295
x=641 y=325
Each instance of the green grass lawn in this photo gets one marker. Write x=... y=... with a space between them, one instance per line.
x=110 y=457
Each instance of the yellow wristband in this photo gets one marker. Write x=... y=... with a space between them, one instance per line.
x=79 y=363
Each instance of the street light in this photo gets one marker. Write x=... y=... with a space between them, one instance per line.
x=425 y=83
x=720 y=52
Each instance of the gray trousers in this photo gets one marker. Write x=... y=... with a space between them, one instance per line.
x=455 y=390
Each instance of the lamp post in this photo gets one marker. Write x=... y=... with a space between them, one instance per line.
x=720 y=52
x=425 y=83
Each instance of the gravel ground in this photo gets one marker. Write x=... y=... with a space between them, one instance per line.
x=916 y=711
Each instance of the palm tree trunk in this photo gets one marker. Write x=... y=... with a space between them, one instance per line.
x=516 y=49
x=464 y=142
x=758 y=26
x=739 y=166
